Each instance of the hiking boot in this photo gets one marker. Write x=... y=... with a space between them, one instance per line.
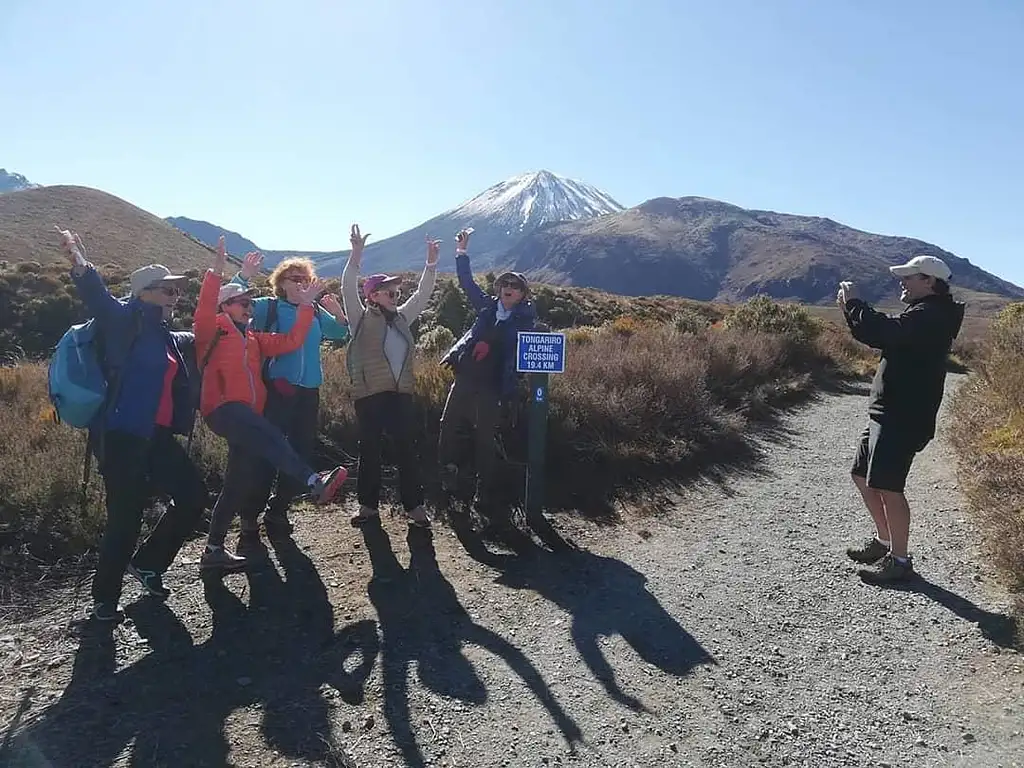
x=888 y=571
x=328 y=484
x=365 y=515
x=218 y=558
x=278 y=526
x=870 y=553
x=450 y=478
x=151 y=581
x=418 y=517
x=106 y=612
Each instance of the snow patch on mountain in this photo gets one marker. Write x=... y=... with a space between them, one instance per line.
x=14 y=182
x=530 y=200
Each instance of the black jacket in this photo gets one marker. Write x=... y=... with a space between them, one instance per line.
x=908 y=387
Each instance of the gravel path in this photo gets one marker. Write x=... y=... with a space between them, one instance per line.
x=729 y=632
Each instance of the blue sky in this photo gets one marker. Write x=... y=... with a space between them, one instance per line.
x=288 y=121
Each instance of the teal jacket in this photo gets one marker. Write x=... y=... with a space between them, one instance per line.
x=303 y=367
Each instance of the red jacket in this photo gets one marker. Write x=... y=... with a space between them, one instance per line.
x=233 y=372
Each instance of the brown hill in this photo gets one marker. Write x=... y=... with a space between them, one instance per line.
x=115 y=232
x=709 y=250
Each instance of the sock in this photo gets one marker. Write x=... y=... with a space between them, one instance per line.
x=883 y=542
x=210 y=547
x=901 y=560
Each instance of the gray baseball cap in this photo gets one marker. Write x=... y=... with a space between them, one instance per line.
x=151 y=276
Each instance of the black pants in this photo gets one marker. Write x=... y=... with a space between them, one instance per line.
x=133 y=468
x=391 y=413
x=252 y=442
x=298 y=417
x=469 y=422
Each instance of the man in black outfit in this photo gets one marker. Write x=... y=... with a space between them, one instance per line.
x=905 y=397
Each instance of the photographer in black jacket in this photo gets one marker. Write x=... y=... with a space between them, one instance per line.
x=904 y=402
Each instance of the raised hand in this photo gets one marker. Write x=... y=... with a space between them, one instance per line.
x=309 y=294
x=251 y=265
x=72 y=246
x=433 y=251
x=462 y=240
x=332 y=304
x=220 y=257
x=358 y=242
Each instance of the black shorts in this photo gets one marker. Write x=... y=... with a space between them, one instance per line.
x=884 y=456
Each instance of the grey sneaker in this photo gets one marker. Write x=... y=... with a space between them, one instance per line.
x=871 y=552
x=218 y=558
x=106 y=612
x=888 y=571
x=151 y=581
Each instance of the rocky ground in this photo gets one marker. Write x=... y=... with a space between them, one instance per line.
x=728 y=631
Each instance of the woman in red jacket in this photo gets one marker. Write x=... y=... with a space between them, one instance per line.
x=233 y=397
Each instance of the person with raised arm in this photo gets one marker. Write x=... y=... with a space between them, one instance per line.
x=484 y=361
x=153 y=388
x=381 y=360
x=293 y=387
x=234 y=396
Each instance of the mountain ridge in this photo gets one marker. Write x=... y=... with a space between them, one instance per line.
x=715 y=251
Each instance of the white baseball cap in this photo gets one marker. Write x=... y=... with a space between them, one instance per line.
x=151 y=276
x=230 y=291
x=932 y=266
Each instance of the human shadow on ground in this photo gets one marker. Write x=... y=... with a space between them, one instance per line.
x=996 y=627
x=170 y=707
x=603 y=595
x=422 y=622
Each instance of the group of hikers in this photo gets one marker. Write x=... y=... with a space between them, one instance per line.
x=252 y=367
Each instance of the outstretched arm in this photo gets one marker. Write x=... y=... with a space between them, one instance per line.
x=417 y=302
x=476 y=295
x=350 y=279
x=88 y=282
x=878 y=330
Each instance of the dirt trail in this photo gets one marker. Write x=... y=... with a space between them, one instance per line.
x=730 y=632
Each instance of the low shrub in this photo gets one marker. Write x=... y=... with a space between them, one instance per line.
x=642 y=405
x=988 y=435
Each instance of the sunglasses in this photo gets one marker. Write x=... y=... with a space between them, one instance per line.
x=394 y=293
x=166 y=290
x=299 y=279
x=513 y=286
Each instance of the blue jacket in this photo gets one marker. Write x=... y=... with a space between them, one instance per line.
x=303 y=367
x=136 y=341
x=523 y=317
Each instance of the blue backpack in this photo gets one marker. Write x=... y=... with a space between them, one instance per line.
x=77 y=382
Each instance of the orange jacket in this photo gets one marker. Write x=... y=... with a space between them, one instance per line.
x=233 y=372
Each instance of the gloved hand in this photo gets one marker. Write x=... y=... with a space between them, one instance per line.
x=480 y=350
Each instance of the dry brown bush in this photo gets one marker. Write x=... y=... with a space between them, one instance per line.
x=988 y=434
x=642 y=404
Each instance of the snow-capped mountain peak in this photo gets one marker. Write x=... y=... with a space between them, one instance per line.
x=14 y=182
x=529 y=200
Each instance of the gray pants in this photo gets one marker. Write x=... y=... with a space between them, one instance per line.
x=469 y=423
x=252 y=441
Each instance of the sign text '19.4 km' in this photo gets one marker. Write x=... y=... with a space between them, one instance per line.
x=540 y=352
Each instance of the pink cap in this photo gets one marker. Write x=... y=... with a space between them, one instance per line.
x=376 y=282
